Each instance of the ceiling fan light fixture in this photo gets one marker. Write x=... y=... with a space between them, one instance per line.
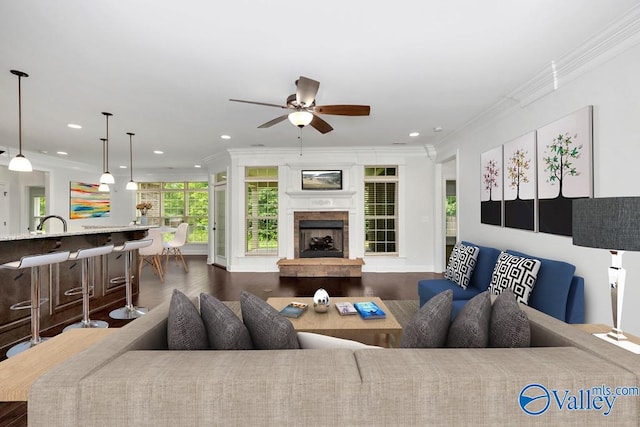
x=300 y=118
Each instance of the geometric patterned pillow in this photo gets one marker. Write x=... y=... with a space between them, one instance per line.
x=516 y=273
x=461 y=264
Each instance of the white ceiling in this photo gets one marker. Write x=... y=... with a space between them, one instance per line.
x=167 y=68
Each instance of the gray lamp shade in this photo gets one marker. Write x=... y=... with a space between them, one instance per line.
x=609 y=223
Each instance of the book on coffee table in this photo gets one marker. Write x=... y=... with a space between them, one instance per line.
x=346 y=308
x=294 y=309
x=369 y=310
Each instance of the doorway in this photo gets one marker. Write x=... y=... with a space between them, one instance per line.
x=451 y=217
x=220 y=220
x=37 y=206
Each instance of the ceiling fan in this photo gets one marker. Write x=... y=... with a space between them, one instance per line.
x=305 y=111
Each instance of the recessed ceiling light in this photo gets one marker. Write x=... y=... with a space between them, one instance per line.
x=62 y=153
x=74 y=126
x=437 y=129
x=123 y=167
x=225 y=136
x=197 y=166
x=414 y=134
x=158 y=152
x=43 y=151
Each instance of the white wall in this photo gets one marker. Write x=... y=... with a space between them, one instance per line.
x=416 y=212
x=613 y=88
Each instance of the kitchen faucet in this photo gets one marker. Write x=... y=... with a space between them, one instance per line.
x=42 y=221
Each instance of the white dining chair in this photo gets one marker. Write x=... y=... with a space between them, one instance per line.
x=152 y=254
x=173 y=246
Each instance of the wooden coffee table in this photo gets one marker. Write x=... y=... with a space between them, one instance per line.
x=351 y=326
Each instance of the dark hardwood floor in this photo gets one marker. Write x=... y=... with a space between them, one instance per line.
x=227 y=286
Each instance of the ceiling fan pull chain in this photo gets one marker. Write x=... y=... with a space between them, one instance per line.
x=300 y=139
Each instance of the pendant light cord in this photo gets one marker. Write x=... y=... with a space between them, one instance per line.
x=107 y=149
x=20 y=114
x=130 y=155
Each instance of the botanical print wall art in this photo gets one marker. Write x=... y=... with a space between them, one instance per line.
x=565 y=169
x=520 y=182
x=491 y=181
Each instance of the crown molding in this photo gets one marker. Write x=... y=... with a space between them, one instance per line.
x=615 y=39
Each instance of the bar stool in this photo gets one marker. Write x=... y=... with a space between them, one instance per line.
x=129 y=311
x=34 y=262
x=87 y=256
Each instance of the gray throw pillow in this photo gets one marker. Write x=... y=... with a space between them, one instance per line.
x=509 y=325
x=461 y=264
x=428 y=327
x=185 y=329
x=470 y=328
x=269 y=329
x=224 y=329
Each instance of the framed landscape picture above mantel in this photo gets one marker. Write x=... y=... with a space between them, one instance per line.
x=322 y=180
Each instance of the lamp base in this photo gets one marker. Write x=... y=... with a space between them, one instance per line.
x=626 y=344
x=616 y=334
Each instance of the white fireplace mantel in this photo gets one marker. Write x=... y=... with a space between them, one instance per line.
x=321 y=194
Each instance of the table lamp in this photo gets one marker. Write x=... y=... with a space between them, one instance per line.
x=611 y=223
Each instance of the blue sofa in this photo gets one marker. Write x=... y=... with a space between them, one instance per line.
x=557 y=292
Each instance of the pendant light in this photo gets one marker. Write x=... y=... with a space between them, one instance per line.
x=20 y=163
x=103 y=188
x=106 y=177
x=131 y=185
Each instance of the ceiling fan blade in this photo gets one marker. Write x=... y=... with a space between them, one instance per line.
x=273 y=122
x=320 y=125
x=343 y=110
x=259 y=103
x=306 y=91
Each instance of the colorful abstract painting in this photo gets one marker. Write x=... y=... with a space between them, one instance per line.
x=87 y=202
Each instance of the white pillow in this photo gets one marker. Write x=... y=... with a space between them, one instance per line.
x=516 y=273
x=311 y=341
x=461 y=264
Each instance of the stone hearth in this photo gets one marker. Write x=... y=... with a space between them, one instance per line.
x=331 y=257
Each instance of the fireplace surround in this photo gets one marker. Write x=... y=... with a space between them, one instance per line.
x=321 y=234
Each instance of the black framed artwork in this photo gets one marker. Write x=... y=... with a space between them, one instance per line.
x=322 y=180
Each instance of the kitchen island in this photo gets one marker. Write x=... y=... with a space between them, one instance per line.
x=107 y=278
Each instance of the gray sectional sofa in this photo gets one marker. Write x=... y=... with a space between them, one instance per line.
x=129 y=378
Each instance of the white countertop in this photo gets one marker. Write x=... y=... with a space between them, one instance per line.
x=86 y=230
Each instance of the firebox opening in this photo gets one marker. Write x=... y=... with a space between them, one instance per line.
x=321 y=238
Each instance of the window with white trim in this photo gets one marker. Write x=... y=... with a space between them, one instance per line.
x=381 y=209
x=261 y=185
x=175 y=202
